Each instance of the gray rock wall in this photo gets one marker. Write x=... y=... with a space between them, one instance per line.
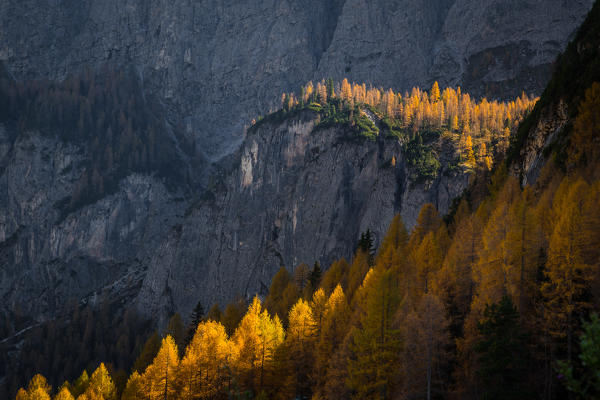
x=292 y=194
x=217 y=64
x=298 y=195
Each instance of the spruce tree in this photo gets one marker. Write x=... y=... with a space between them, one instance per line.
x=196 y=317
x=315 y=275
x=502 y=352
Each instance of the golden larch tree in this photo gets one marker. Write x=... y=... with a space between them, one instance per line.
x=37 y=389
x=425 y=330
x=64 y=394
x=299 y=350
x=256 y=339
x=375 y=340
x=435 y=92
x=202 y=371
x=585 y=140
x=568 y=276
x=160 y=378
x=134 y=390
x=333 y=332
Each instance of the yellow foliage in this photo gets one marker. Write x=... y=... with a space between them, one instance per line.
x=64 y=394
x=585 y=140
x=134 y=390
x=375 y=341
x=333 y=331
x=201 y=371
x=302 y=324
x=160 y=377
x=256 y=339
x=37 y=389
x=337 y=274
x=569 y=276
x=318 y=304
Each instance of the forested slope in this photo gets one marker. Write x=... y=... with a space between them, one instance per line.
x=488 y=302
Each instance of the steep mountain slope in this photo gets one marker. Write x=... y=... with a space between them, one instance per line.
x=216 y=65
x=289 y=195
x=77 y=201
x=545 y=134
x=193 y=62
x=298 y=195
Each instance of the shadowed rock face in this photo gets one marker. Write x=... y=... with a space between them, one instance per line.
x=290 y=194
x=297 y=195
x=284 y=194
x=217 y=64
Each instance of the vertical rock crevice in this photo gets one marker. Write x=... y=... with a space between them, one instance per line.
x=322 y=28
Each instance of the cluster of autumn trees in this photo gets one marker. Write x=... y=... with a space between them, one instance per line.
x=481 y=305
x=480 y=128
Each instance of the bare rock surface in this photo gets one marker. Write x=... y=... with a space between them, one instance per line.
x=216 y=65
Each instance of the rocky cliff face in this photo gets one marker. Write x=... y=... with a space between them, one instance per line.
x=285 y=194
x=297 y=195
x=48 y=258
x=544 y=135
x=217 y=64
x=291 y=194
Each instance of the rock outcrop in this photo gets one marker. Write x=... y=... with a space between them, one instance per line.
x=290 y=194
x=544 y=135
x=297 y=195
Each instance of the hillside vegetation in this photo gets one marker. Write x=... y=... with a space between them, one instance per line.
x=488 y=303
x=479 y=131
x=498 y=300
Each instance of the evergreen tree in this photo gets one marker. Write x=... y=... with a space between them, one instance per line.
x=315 y=275
x=502 y=352
x=196 y=317
x=149 y=351
x=585 y=380
x=366 y=243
